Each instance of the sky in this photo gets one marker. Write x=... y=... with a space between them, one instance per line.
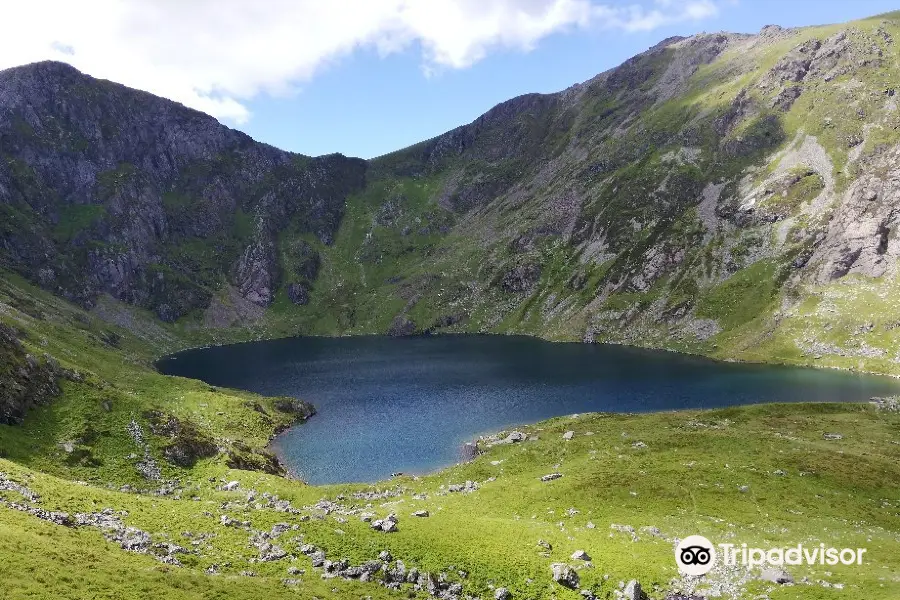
x=366 y=77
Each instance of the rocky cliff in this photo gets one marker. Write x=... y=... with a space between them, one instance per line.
x=107 y=190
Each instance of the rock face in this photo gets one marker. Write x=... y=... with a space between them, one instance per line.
x=862 y=235
x=25 y=381
x=105 y=189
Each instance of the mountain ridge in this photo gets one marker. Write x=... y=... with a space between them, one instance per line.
x=578 y=214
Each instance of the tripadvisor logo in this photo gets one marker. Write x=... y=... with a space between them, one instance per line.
x=696 y=555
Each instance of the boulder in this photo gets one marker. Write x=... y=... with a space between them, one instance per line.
x=568 y=435
x=633 y=591
x=581 y=555
x=551 y=476
x=502 y=594
x=514 y=437
x=773 y=575
x=565 y=575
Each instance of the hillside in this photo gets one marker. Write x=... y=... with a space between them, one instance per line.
x=638 y=207
x=724 y=194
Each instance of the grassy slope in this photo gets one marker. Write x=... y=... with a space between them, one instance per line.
x=685 y=481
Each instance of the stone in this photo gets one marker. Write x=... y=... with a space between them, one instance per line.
x=774 y=575
x=421 y=513
x=633 y=591
x=502 y=594
x=832 y=437
x=581 y=555
x=514 y=437
x=231 y=486
x=565 y=575
x=568 y=435
x=551 y=476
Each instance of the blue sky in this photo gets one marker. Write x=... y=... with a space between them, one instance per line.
x=366 y=77
x=366 y=106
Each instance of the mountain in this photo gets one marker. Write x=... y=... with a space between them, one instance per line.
x=726 y=194
x=107 y=190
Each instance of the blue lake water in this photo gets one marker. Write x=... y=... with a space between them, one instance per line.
x=408 y=404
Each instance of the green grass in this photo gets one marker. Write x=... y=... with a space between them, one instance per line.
x=743 y=296
x=75 y=218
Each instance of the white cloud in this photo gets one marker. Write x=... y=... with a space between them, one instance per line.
x=215 y=55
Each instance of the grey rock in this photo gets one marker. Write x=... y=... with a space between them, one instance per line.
x=580 y=555
x=774 y=575
x=633 y=591
x=565 y=575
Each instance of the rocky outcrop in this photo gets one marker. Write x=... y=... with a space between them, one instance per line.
x=401 y=326
x=299 y=409
x=521 y=278
x=25 y=380
x=186 y=442
x=861 y=235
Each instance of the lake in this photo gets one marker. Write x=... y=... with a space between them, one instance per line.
x=407 y=405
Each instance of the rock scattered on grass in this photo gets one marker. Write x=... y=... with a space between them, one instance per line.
x=387 y=525
x=581 y=555
x=565 y=575
x=568 y=435
x=551 y=476
x=633 y=591
x=779 y=576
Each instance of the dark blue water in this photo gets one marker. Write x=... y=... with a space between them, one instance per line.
x=387 y=405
